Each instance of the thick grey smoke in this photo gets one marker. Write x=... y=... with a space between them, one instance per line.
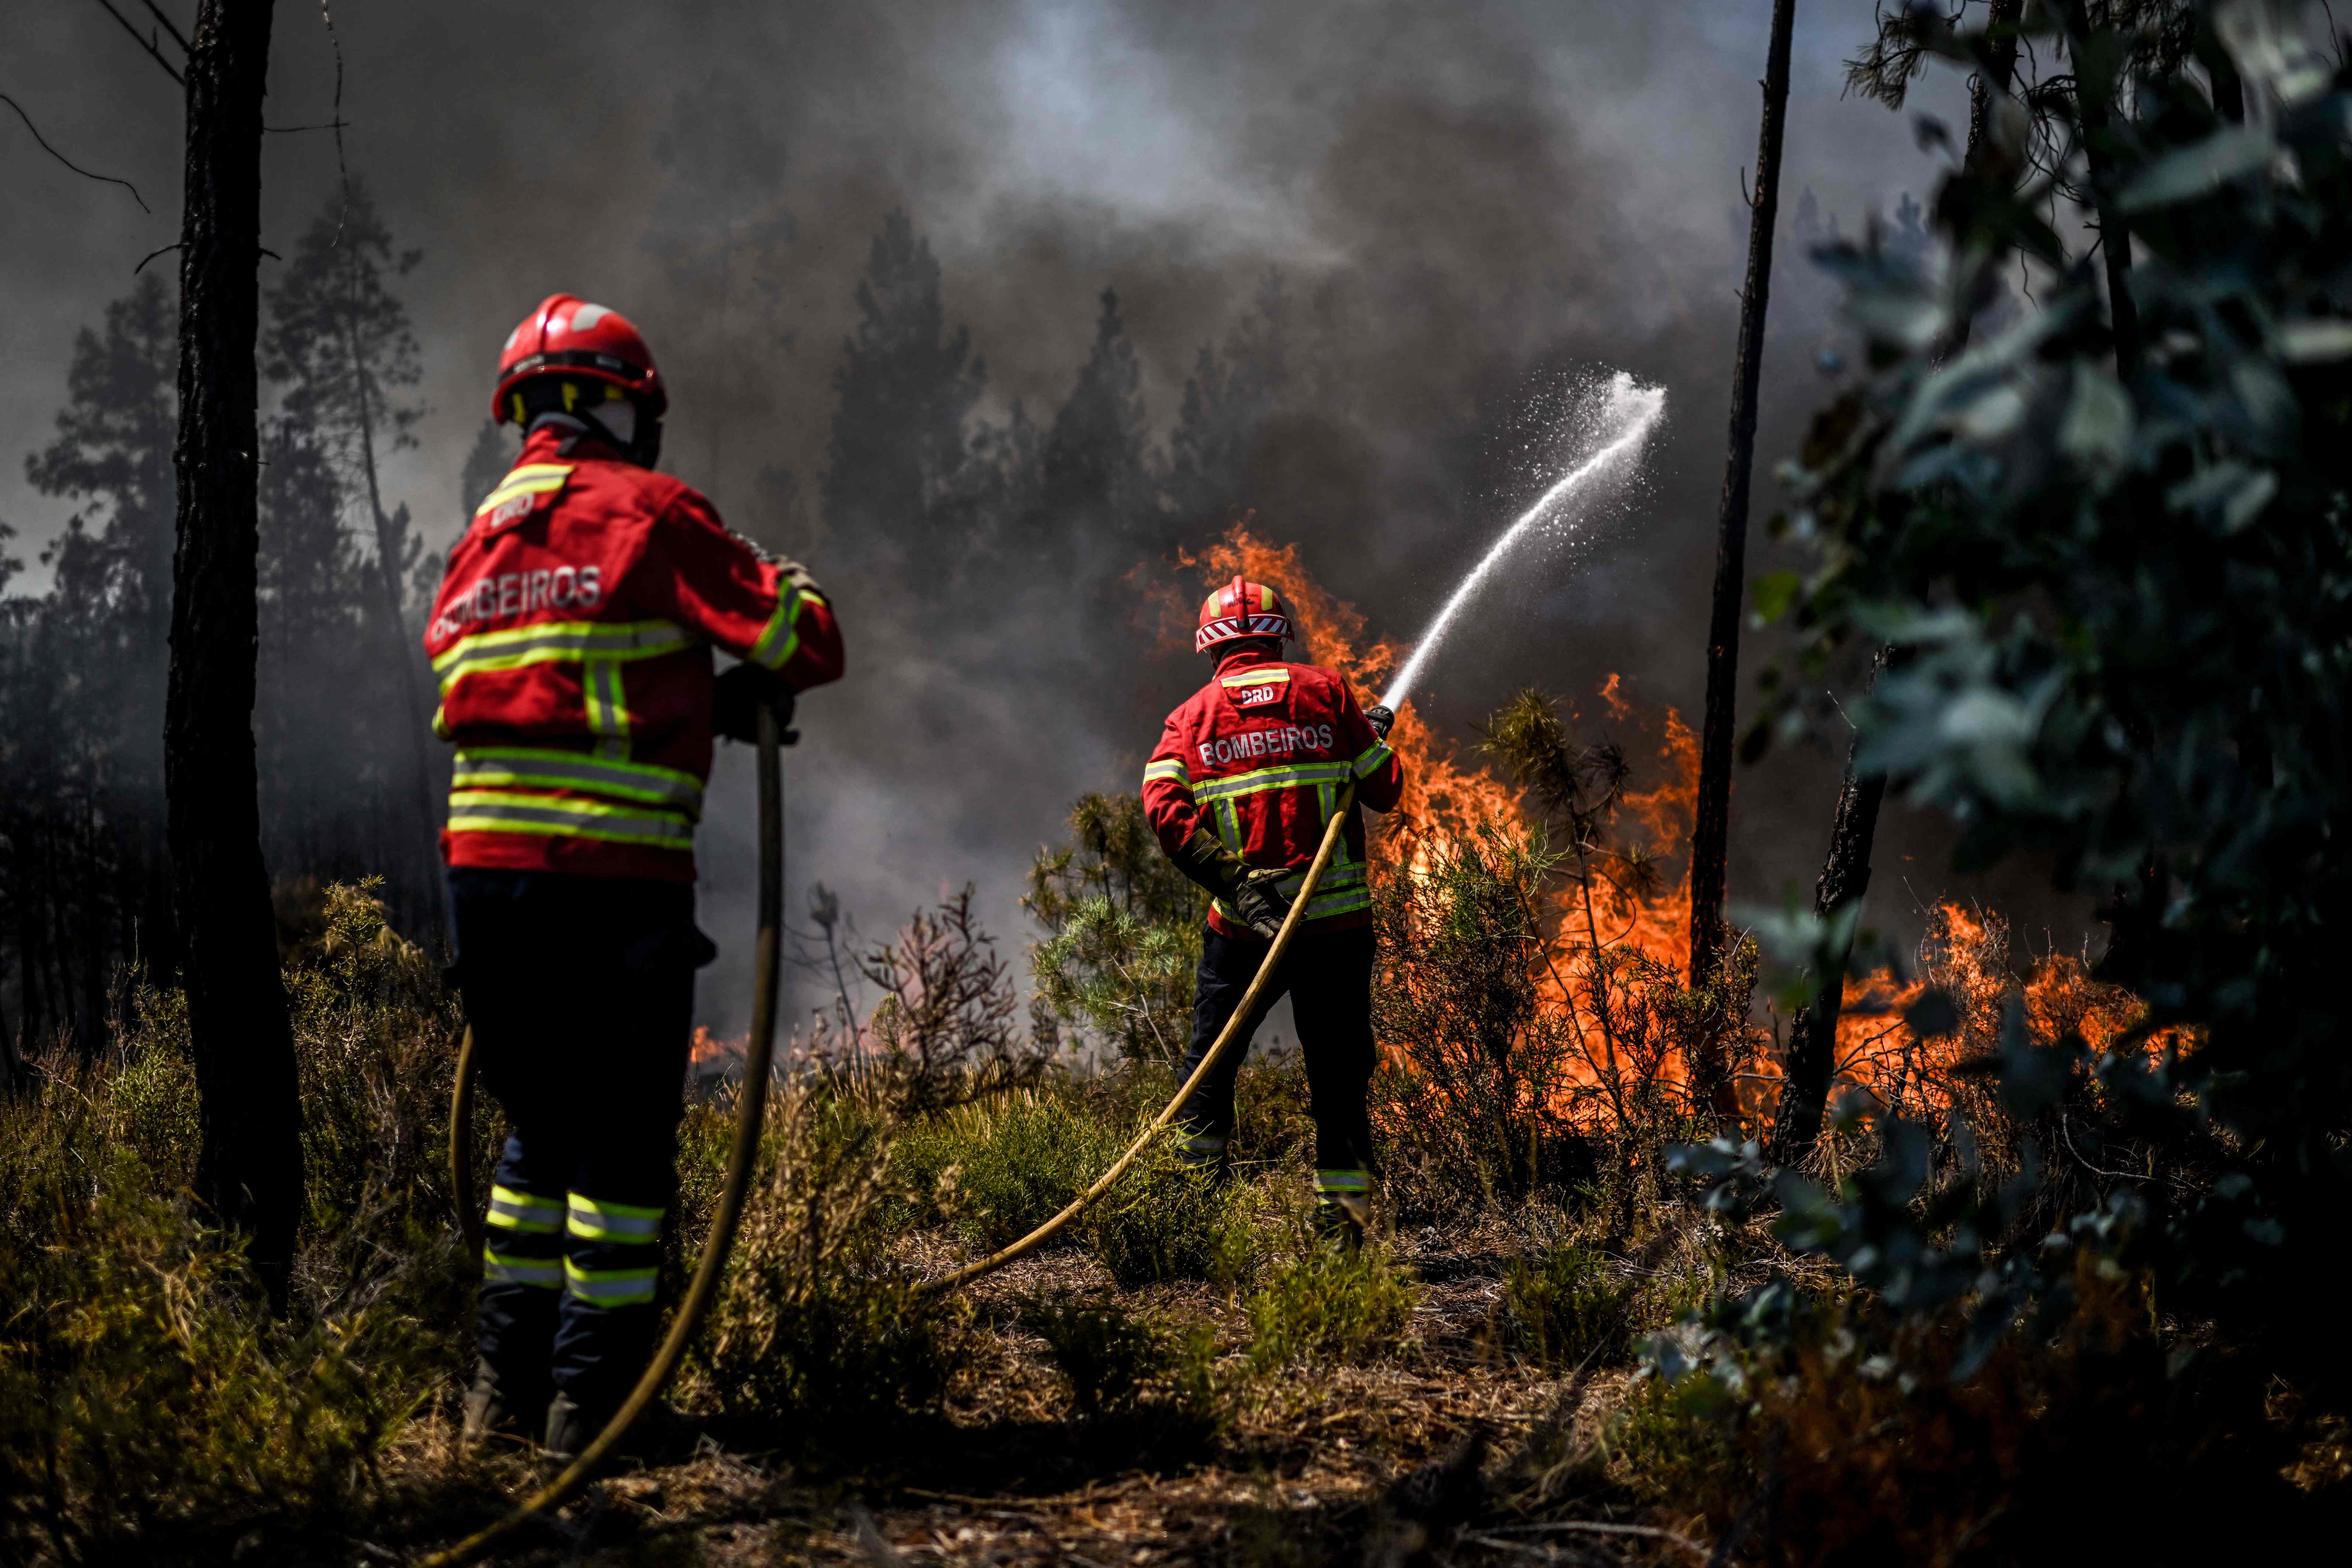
x=1464 y=204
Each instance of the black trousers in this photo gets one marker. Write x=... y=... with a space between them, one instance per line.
x=1329 y=977
x=580 y=993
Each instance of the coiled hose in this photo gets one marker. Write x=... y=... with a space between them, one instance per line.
x=1234 y=1026
x=749 y=1117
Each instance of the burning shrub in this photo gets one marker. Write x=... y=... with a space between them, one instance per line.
x=1478 y=1073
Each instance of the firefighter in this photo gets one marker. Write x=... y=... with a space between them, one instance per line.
x=1240 y=791
x=572 y=638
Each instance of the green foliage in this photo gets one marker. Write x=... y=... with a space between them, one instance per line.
x=1123 y=932
x=815 y=1336
x=1561 y=1307
x=1328 y=1305
x=1679 y=1438
x=1167 y=1220
x=146 y=1394
x=2109 y=552
x=1111 y=1357
x=998 y=1169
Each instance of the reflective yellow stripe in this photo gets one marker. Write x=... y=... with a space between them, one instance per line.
x=498 y=811
x=610 y=1286
x=593 y=1221
x=607 y=705
x=1169 y=768
x=558 y=641
x=1369 y=762
x=781 y=638
x=530 y=479
x=499 y=1269
x=1294 y=776
x=511 y=1210
x=1254 y=678
x=491 y=767
x=1342 y=891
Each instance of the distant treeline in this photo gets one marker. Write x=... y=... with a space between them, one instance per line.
x=922 y=505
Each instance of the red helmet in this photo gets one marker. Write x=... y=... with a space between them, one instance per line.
x=1241 y=609
x=569 y=336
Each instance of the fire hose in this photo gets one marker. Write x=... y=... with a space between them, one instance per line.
x=749 y=1117
x=750 y=1113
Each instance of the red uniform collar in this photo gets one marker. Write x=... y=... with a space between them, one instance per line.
x=1245 y=659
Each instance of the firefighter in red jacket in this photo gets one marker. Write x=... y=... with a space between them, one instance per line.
x=1240 y=790
x=572 y=637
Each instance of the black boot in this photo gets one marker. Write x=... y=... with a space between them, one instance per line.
x=658 y=1431
x=502 y=1406
x=1340 y=1220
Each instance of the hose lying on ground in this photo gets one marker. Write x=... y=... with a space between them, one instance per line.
x=750 y=1118
x=1234 y=1026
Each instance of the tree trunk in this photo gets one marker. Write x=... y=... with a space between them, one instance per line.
x=1984 y=90
x=1845 y=874
x=2095 y=106
x=1813 y=1037
x=250 y=1163
x=1711 y=833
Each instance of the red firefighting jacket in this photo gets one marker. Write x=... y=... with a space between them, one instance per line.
x=572 y=638
x=1257 y=756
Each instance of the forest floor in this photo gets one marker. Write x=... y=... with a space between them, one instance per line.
x=1363 y=1464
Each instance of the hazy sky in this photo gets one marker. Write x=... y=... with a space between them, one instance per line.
x=1477 y=198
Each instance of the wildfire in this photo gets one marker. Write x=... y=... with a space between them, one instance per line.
x=1966 y=952
x=711 y=1053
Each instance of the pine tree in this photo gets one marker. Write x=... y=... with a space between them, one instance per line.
x=1227 y=400
x=1096 y=500
x=901 y=452
x=341 y=344
x=112 y=563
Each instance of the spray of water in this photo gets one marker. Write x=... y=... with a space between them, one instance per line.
x=1628 y=416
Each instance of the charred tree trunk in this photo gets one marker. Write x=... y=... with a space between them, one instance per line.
x=1813 y=1040
x=1711 y=830
x=249 y=1164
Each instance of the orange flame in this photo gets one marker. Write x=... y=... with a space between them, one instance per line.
x=1965 y=953
x=710 y=1052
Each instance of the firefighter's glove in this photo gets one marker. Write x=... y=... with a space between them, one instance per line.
x=1380 y=718
x=737 y=698
x=1211 y=865
x=1262 y=903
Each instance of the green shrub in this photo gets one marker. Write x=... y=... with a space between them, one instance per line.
x=1166 y=1220
x=813 y=1333
x=1678 y=1438
x=149 y=1403
x=1328 y=1305
x=996 y=1169
x=1561 y=1307
x=1156 y=1379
